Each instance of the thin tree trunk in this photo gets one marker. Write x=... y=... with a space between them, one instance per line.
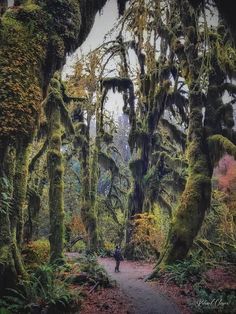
x=20 y=191
x=55 y=173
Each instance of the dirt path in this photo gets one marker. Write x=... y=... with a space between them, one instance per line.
x=144 y=299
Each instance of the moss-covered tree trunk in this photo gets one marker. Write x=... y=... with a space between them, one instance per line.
x=8 y=273
x=20 y=190
x=87 y=206
x=89 y=179
x=196 y=197
x=55 y=174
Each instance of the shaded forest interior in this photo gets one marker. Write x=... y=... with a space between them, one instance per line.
x=157 y=178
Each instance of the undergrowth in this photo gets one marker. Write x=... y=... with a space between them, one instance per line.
x=45 y=290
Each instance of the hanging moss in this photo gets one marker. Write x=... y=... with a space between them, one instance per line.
x=88 y=9
x=177 y=135
x=108 y=163
x=116 y=84
x=121 y=6
x=137 y=168
x=138 y=138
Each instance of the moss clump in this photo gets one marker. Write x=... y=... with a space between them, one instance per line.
x=35 y=38
x=20 y=94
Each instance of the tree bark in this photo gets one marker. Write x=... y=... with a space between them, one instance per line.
x=8 y=271
x=20 y=191
x=55 y=174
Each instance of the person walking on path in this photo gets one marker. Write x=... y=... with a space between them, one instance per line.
x=118 y=257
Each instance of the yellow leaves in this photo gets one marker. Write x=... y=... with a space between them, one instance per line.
x=84 y=82
x=147 y=231
x=150 y=57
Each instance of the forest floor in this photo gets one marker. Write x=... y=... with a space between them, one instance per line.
x=131 y=295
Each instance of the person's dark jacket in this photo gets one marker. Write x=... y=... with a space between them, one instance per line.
x=118 y=255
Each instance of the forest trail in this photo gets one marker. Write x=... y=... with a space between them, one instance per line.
x=143 y=297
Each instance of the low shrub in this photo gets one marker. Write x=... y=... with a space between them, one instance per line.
x=188 y=270
x=36 y=253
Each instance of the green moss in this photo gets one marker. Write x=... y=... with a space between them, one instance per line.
x=5 y=254
x=55 y=171
x=189 y=217
x=220 y=145
x=35 y=38
x=20 y=190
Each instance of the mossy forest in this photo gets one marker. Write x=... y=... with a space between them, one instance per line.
x=117 y=129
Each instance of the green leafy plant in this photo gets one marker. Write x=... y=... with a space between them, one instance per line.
x=186 y=270
x=89 y=265
x=44 y=289
x=212 y=302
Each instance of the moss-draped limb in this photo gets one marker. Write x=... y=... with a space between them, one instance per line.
x=220 y=145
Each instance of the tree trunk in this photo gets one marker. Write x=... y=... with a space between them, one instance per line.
x=8 y=272
x=196 y=197
x=55 y=174
x=89 y=187
x=20 y=190
x=87 y=207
